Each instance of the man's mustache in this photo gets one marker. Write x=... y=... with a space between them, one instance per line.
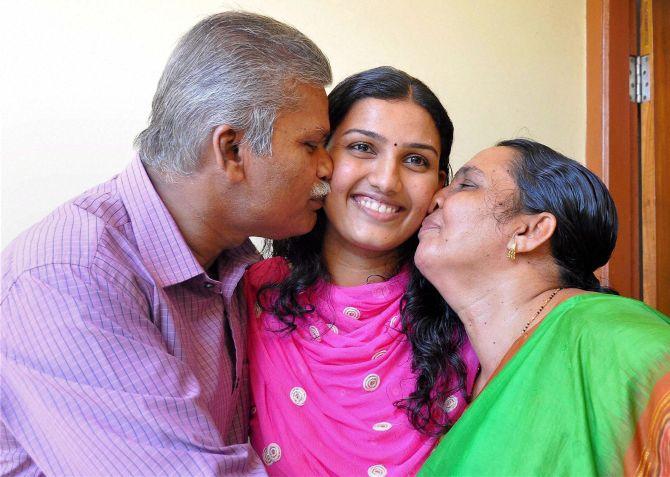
x=320 y=190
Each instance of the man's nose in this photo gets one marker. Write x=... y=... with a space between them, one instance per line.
x=324 y=167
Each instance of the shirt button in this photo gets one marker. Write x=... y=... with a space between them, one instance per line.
x=209 y=285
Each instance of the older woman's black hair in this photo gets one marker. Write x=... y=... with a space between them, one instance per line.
x=435 y=341
x=586 y=217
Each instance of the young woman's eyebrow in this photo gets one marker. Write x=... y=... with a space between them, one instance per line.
x=379 y=137
x=419 y=145
x=365 y=132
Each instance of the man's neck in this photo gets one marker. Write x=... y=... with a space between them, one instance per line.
x=198 y=222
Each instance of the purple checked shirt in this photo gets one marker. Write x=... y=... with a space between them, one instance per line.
x=119 y=354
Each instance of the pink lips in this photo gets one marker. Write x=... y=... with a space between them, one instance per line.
x=428 y=224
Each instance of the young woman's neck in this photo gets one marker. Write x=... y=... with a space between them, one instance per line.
x=349 y=265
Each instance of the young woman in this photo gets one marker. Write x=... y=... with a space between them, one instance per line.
x=574 y=380
x=353 y=368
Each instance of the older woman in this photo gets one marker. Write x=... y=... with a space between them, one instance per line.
x=572 y=382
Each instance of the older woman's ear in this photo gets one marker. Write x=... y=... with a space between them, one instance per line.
x=537 y=231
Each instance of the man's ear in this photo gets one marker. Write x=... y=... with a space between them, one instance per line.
x=226 y=147
x=537 y=230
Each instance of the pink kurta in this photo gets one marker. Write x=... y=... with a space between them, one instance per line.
x=324 y=393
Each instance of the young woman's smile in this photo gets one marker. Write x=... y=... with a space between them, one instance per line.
x=386 y=169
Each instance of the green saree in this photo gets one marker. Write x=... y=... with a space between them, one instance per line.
x=588 y=393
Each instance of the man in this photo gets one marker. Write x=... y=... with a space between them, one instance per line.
x=122 y=344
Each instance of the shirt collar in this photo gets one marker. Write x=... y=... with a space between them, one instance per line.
x=162 y=247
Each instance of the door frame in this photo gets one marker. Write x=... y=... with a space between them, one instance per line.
x=612 y=131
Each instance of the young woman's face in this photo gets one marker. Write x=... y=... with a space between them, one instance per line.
x=385 y=172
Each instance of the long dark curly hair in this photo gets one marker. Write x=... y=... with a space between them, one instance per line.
x=434 y=332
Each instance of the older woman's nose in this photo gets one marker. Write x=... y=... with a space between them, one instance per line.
x=438 y=200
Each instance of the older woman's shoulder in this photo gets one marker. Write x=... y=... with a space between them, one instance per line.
x=616 y=321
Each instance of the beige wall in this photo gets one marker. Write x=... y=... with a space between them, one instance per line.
x=80 y=75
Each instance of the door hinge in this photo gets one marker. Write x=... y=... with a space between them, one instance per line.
x=638 y=78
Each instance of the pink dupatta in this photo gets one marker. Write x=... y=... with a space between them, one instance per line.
x=323 y=394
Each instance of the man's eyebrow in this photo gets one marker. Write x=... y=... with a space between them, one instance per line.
x=324 y=132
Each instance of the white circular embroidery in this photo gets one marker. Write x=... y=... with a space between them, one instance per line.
x=371 y=382
x=450 y=403
x=314 y=331
x=298 y=396
x=352 y=312
x=382 y=426
x=377 y=471
x=394 y=321
x=379 y=354
x=333 y=328
x=272 y=453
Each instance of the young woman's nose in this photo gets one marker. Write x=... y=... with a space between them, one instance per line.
x=385 y=175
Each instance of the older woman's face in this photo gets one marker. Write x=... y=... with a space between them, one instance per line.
x=466 y=233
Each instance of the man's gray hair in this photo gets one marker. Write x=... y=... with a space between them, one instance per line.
x=233 y=68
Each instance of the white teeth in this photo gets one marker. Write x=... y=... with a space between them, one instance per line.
x=372 y=204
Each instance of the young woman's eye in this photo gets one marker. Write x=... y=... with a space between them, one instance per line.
x=361 y=147
x=416 y=161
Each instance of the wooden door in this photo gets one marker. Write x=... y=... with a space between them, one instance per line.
x=612 y=137
x=655 y=155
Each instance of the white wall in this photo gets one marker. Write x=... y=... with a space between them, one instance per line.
x=79 y=76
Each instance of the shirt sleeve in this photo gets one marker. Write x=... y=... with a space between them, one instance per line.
x=89 y=388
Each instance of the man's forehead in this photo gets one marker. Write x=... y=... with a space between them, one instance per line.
x=318 y=130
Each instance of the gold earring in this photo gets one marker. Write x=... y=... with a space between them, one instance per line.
x=511 y=250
